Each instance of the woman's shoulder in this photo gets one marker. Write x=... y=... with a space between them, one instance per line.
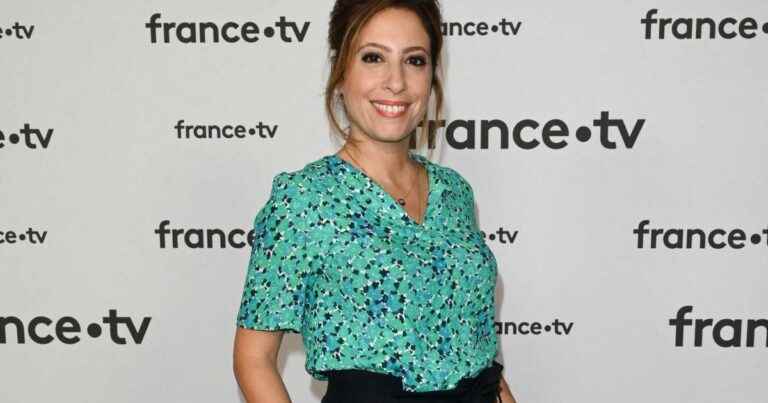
x=296 y=195
x=307 y=181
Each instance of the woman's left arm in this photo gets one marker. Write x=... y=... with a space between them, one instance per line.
x=506 y=394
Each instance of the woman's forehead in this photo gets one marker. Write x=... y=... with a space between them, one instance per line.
x=394 y=28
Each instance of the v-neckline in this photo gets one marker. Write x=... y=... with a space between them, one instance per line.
x=430 y=187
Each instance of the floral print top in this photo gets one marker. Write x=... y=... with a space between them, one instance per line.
x=338 y=260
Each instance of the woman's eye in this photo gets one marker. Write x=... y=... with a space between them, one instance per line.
x=419 y=60
x=371 y=57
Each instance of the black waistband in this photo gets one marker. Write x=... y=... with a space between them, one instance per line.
x=358 y=385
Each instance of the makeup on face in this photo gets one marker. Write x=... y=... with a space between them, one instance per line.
x=387 y=85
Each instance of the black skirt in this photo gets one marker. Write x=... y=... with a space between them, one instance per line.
x=360 y=386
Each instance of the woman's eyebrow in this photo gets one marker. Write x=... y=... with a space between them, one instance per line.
x=378 y=45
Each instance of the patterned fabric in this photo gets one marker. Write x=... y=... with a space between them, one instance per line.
x=338 y=260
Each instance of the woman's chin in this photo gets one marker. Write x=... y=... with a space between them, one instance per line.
x=390 y=136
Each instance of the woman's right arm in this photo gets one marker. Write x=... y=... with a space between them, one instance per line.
x=255 y=366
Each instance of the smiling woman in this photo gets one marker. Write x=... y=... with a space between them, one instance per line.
x=373 y=254
x=403 y=45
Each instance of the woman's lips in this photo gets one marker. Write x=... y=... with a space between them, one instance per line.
x=388 y=110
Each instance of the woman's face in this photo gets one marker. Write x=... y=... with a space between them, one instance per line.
x=388 y=81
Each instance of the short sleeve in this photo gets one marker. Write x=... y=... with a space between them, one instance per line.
x=278 y=270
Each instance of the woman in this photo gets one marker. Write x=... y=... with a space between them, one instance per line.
x=373 y=254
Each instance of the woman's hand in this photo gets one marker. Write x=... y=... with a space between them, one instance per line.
x=506 y=394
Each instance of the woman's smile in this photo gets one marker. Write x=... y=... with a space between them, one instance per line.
x=390 y=109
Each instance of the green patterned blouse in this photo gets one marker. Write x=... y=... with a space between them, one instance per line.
x=338 y=260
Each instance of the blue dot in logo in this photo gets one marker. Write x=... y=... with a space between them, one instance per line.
x=8 y=32
x=755 y=238
x=765 y=27
x=252 y=131
x=269 y=32
x=13 y=138
x=495 y=28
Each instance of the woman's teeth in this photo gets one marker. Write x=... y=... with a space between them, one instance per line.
x=390 y=110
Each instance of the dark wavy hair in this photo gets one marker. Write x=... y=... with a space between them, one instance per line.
x=347 y=19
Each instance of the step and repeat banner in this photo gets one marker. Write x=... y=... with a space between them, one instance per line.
x=617 y=151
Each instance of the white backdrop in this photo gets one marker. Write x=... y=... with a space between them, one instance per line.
x=91 y=166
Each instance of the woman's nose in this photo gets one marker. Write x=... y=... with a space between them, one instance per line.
x=396 y=80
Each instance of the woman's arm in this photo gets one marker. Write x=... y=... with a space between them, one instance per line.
x=255 y=366
x=506 y=394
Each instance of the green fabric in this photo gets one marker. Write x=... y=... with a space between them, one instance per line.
x=336 y=259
